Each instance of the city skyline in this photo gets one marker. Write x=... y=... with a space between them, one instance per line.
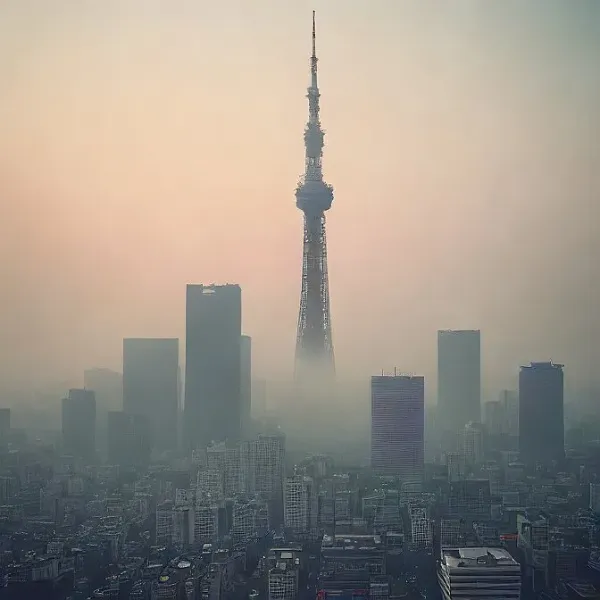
x=219 y=449
x=461 y=118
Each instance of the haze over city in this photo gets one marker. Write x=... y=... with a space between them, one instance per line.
x=299 y=301
x=147 y=145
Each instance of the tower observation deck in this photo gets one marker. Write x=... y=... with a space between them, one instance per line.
x=314 y=345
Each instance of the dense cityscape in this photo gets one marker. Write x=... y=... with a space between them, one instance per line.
x=171 y=481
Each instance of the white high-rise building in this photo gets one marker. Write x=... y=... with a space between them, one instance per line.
x=472 y=444
x=595 y=497
x=455 y=461
x=266 y=464
x=299 y=504
x=165 y=524
x=206 y=522
x=421 y=528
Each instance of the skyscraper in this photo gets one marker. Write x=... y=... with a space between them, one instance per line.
x=300 y=504
x=459 y=381
x=4 y=426
x=397 y=426
x=129 y=439
x=472 y=443
x=4 y=423
x=314 y=345
x=107 y=386
x=246 y=383
x=541 y=413
x=259 y=399
x=212 y=365
x=151 y=386
x=79 y=424
x=510 y=402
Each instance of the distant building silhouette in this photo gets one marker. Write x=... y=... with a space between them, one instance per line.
x=259 y=399
x=246 y=383
x=129 y=439
x=151 y=386
x=107 y=386
x=4 y=426
x=541 y=413
x=398 y=426
x=79 y=424
x=472 y=443
x=459 y=382
x=4 y=422
x=213 y=365
x=510 y=402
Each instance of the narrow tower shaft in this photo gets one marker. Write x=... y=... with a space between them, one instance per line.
x=314 y=346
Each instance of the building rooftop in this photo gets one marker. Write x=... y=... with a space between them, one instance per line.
x=543 y=365
x=477 y=557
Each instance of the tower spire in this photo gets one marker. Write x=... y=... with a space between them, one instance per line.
x=314 y=38
x=314 y=196
x=313 y=58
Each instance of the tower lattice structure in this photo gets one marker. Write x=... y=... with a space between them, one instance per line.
x=314 y=345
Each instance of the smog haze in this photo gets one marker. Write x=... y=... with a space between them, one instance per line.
x=146 y=145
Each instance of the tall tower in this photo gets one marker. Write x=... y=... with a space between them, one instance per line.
x=314 y=346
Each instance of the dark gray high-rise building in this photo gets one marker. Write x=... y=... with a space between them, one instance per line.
x=541 y=413
x=108 y=387
x=151 y=386
x=246 y=383
x=129 y=439
x=4 y=425
x=213 y=364
x=459 y=380
x=4 y=422
x=79 y=424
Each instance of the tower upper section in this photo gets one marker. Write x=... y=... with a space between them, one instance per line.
x=313 y=195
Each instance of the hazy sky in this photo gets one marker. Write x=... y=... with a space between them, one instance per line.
x=145 y=144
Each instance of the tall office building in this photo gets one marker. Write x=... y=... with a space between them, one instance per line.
x=397 y=426
x=472 y=444
x=494 y=418
x=259 y=399
x=459 y=381
x=79 y=424
x=541 y=416
x=300 y=504
x=107 y=385
x=151 y=386
x=129 y=439
x=4 y=426
x=213 y=365
x=510 y=401
x=266 y=460
x=246 y=383
x=4 y=422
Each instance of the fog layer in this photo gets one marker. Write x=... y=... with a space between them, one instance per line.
x=145 y=145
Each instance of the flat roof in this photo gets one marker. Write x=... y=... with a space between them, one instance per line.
x=480 y=556
x=543 y=365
